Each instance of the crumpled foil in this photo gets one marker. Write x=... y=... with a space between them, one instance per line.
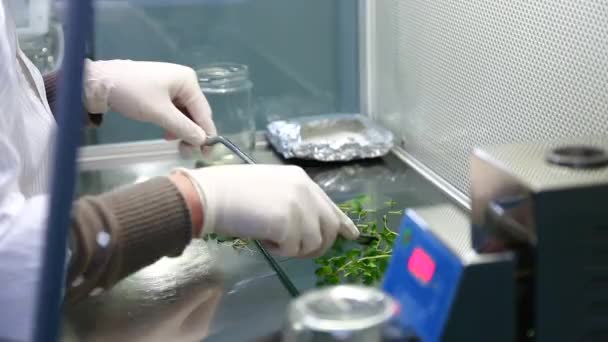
x=330 y=137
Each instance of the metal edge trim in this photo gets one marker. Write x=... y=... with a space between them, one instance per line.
x=113 y=155
x=128 y=149
x=110 y=156
x=444 y=186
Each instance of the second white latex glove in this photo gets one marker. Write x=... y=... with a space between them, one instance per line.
x=150 y=92
x=279 y=205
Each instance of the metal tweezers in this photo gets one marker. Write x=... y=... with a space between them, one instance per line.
x=293 y=291
x=363 y=238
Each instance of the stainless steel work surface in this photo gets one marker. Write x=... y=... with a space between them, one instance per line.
x=213 y=291
x=210 y=291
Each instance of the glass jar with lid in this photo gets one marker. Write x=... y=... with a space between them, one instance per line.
x=341 y=313
x=228 y=89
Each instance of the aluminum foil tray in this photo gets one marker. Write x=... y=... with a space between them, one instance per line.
x=330 y=137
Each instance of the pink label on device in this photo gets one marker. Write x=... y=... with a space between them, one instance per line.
x=421 y=265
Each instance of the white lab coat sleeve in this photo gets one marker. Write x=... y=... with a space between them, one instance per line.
x=22 y=234
x=22 y=218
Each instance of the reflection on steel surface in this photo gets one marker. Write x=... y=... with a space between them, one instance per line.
x=184 y=299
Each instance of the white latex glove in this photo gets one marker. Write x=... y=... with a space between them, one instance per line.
x=279 y=205
x=150 y=92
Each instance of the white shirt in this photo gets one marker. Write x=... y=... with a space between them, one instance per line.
x=26 y=137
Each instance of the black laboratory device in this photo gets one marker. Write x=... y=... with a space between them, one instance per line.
x=530 y=264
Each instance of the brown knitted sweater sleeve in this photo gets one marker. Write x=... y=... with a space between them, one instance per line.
x=51 y=82
x=120 y=232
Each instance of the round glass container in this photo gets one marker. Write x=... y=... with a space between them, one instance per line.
x=228 y=89
x=339 y=313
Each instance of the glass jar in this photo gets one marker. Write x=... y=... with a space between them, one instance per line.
x=228 y=89
x=339 y=313
x=45 y=52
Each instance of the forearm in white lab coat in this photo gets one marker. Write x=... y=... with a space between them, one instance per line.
x=22 y=234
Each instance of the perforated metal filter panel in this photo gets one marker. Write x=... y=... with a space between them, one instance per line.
x=450 y=225
x=451 y=75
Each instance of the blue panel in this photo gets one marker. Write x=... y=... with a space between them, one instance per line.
x=424 y=305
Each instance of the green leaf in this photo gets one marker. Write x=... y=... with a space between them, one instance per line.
x=373 y=227
x=338 y=262
x=322 y=271
x=388 y=237
x=353 y=254
x=320 y=261
x=372 y=252
x=357 y=207
x=361 y=199
x=375 y=244
x=333 y=280
x=382 y=265
x=368 y=230
x=369 y=280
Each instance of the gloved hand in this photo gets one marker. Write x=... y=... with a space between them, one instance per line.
x=150 y=92
x=279 y=205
